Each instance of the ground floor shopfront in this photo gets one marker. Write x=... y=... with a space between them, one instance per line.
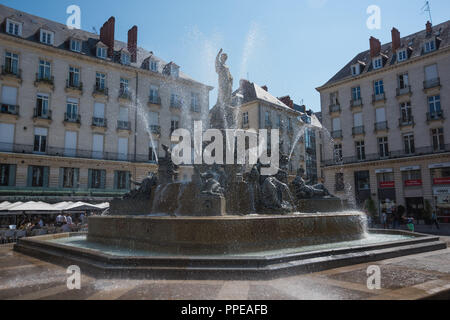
x=411 y=182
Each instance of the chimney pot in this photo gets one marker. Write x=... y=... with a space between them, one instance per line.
x=107 y=35
x=265 y=88
x=429 y=27
x=396 y=43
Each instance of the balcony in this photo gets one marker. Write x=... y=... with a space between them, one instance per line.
x=377 y=98
x=42 y=114
x=404 y=91
x=9 y=109
x=100 y=91
x=406 y=122
x=335 y=108
x=13 y=73
x=70 y=153
x=99 y=122
x=124 y=94
x=72 y=118
x=176 y=104
x=43 y=80
x=432 y=83
x=268 y=124
x=435 y=116
x=358 y=131
x=356 y=103
x=75 y=87
x=400 y=154
x=154 y=100
x=336 y=134
x=124 y=125
x=155 y=129
x=381 y=126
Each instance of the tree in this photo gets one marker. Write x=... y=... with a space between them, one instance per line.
x=371 y=208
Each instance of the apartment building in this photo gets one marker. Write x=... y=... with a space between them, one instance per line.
x=258 y=109
x=84 y=114
x=387 y=112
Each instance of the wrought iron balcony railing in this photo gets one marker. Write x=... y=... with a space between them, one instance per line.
x=404 y=122
x=99 y=122
x=9 y=109
x=74 y=85
x=11 y=71
x=379 y=97
x=42 y=114
x=358 y=130
x=123 y=125
x=335 y=108
x=336 y=134
x=101 y=90
x=433 y=116
x=356 y=103
x=154 y=100
x=40 y=78
x=403 y=91
x=72 y=118
x=432 y=83
x=381 y=126
x=155 y=129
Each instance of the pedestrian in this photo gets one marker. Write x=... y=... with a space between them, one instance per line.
x=384 y=219
x=69 y=219
x=410 y=223
x=434 y=220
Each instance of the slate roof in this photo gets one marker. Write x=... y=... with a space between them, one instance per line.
x=31 y=26
x=414 y=42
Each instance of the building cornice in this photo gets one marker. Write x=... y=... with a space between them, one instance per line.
x=338 y=83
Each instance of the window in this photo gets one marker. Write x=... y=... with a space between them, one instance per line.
x=69 y=178
x=38 y=176
x=125 y=58
x=245 y=118
x=334 y=98
x=75 y=45
x=47 y=37
x=339 y=183
x=45 y=71
x=412 y=178
x=70 y=144
x=42 y=106
x=338 y=155
x=174 y=125
x=7 y=137
x=97 y=179
x=122 y=180
x=434 y=105
x=97 y=146
x=406 y=113
x=430 y=46
x=12 y=63
x=362 y=180
x=40 y=140
x=383 y=147
x=402 y=55
x=408 y=140
x=124 y=86
x=72 y=110
x=154 y=65
x=99 y=115
x=74 y=77
x=175 y=101
x=174 y=70
x=13 y=28
x=153 y=152
x=356 y=93
x=100 y=81
x=360 y=150
x=438 y=139
x=403 y=81
x=379 y=87
x=195 y=102
x=289 y=125
x=101 y=52
x=356 y=69
x=9 y=96
x=377 y=63
x=122 y=148
x=154 y=94
x=267 y=118
x=7 y=175
x=278 y=121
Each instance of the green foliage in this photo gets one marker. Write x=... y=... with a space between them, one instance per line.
x=371 y=208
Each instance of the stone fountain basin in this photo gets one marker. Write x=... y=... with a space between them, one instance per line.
x=224 y=235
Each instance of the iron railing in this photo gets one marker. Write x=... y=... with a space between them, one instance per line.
x=155 y=129
x=72 y=118
x=40 y=78
x=9 y=109
x=402 y=91
x=124 y=94
x=99 y=122
x=154 y=100
x=74 y=85
x=432 y=83
x=176 y=104
x=336 y=134
x=100 y=90
x=335 y=108
x=437 y=115
x=406 y=122
x=123 y=125
x=358 y=130
x=381 y=126
x=378 y=97
x=42 y=114
x=8 y=70
x=356 y=103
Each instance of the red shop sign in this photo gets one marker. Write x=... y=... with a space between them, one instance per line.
x=442 y=180
x=413 y=183
x=387 y=184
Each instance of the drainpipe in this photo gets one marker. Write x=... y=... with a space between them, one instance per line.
x=135 y=123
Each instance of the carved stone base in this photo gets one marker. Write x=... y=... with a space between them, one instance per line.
x=210 y=206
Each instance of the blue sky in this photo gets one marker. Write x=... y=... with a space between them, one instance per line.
x=292 y=46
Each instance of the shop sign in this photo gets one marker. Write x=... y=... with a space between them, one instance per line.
x=441 y=180
x=410 y=168
x=387 y=184
x=413 y=183
x=383 y=171
x=439 y=165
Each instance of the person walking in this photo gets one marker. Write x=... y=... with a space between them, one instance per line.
x=410 y=224
x=384 y=219
x=434 y=220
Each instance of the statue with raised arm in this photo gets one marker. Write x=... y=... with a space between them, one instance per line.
x=225 y=80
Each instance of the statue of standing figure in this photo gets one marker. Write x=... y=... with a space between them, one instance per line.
x=225 y=80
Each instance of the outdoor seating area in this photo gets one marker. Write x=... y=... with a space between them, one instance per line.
x=19 y=220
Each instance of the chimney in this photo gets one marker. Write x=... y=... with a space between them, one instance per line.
x=396 y=44
x=375 y=47
x=429 y=28
x=265 y=88
x=132 y=43
x=107 y=35
x=287 y=101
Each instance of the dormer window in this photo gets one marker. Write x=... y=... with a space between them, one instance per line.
x=47 y=37
x=75 y=45
x=377 y=63
x=154 y=65
x=174 y=70
x=430 y=46
x=356 y=69
x=13 y=28
x=402 y=55
x=125 y=58
x=101 y=52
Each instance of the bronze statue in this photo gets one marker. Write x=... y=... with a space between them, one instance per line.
x=145 y=187
x=225 y=80
x=304 y=191
x=210 y=184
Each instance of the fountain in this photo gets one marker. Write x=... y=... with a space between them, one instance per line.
x=224 y=223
